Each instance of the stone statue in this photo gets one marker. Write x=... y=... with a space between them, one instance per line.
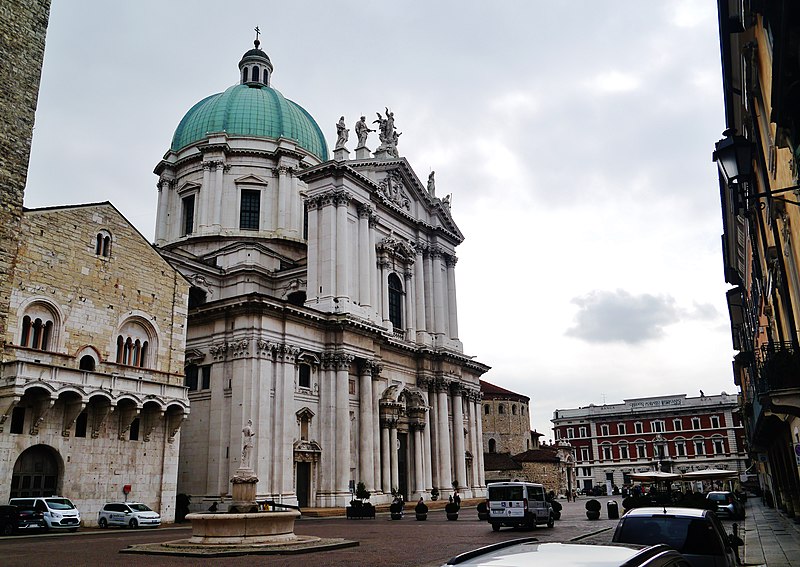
x=431 y=184
x=342 y=133
x=362 y=131
x=387 y=133
x=247 y=443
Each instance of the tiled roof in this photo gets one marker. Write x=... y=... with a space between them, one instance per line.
x=500 y=462
x=542 y=455
x=490 y=391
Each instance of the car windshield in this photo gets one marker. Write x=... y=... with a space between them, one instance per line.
x=59 y=504
x=692 y=536
x=505 y=493
x=719 y=497
x=139 y=508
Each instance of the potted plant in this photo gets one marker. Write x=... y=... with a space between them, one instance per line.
x=421 y=510
x=397 y=505
x=360 y=507
x=434 y=493
x=451 y=510
x=483 y=511
x=593 y=509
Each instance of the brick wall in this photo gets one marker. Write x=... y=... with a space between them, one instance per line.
x=23 y=24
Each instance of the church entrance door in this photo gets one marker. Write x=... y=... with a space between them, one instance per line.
x=35 y=473
x=303 y=484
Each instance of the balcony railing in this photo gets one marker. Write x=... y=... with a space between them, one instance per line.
x=778 y=367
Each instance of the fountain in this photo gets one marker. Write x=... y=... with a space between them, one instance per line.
x=244 y=529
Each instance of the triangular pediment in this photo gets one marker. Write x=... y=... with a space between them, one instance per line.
x=188 y=188
x=250 y=180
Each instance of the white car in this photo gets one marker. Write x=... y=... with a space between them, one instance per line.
x=59 y=512
x=128 y=514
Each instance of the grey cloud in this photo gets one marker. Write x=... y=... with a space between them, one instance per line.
x=618 y=316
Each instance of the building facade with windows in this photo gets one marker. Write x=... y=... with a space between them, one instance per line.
x=506 y=421
x=92 y=394
x=323 y=307
x=759 y=185
x=668 y=433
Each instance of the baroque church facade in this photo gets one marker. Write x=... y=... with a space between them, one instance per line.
x=322 y=307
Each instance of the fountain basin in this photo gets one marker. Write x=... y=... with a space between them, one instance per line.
x=253 y=528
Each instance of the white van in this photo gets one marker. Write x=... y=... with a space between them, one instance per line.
x=58 y=512
x=518 y=504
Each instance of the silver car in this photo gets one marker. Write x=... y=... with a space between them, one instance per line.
x=727 y=504
x=528 y=551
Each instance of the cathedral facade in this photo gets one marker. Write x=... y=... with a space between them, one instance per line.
x=322 y=308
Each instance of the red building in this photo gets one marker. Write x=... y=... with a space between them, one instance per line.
x=668 y=433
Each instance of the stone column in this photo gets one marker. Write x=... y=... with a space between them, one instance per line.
x=409 y=306
x=393 y=455
x=206 y=204
x=364 y=271
x=476 y=443
x=443 y=437
x=312 y=270
x=433 y=433
x=164 y=198
x=438 y=294
x=430 y=297
x=459 y=454
x=264 y=425
x=386 y=475
x=377 y=389
x=426 y=434
x=451 y=296
x=327 y=248
x=419 y=465
x=342 y=486
x=373 y=266
x=219 y=195
x=342 y=263
x=384 y=290
x=289 y=422
x=419 y=290
x=366 y=465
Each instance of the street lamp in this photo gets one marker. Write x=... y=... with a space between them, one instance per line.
x=734 y=156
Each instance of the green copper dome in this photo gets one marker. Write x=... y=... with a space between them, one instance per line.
x=251 y=110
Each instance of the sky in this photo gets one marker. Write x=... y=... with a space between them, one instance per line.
x=574 y=138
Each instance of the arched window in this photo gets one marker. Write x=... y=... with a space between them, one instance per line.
x=501 y=409
x=103 y=244
x=395 y=301
x=513 y=409
x=255 y=74
x=133 y=345
x=492 y=445
x=39 y=326
x=87 y=363
x=487 y=409
x=244 y=74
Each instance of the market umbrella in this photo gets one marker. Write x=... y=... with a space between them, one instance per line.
x=654 y=476
x=709 y=474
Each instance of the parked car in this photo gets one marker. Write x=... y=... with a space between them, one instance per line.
x=528 y=551
x=58 y=512
x=518 y=504
x=727 y=504
x=696 y=533
x=128 y=514
x=14 y=519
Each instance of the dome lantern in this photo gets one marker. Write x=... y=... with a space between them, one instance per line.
x=255 y=68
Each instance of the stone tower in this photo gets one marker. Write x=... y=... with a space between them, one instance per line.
x=23 y=25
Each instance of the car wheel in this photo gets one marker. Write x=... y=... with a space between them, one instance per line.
x=102 y=522
x=8 y=529
x=133 y=524
x=495 y=527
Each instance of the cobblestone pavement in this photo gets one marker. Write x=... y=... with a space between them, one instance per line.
x=383 y=542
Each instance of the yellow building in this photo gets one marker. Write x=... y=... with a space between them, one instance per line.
x=759 y=191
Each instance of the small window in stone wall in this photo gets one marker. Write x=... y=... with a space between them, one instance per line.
x=81 y=423
x=487 y=409
x=492 y=445
x=304 y=376
x=86 y=363
x=190 y=381
x=501 y=409
x=205 y=376
x=102 y=245
x=134 y=431
x=17 y=420
x=352 y=387
x=513 y=409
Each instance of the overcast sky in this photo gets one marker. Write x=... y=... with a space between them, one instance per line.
x=575 y=138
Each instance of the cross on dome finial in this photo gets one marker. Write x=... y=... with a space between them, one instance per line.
x=256 y=42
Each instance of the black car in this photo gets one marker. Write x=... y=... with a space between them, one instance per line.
x=14 y=519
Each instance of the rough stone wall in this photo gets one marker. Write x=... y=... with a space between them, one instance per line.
x=510 y=431
x=94 y=295
x=548 y=474
x=23 y=25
